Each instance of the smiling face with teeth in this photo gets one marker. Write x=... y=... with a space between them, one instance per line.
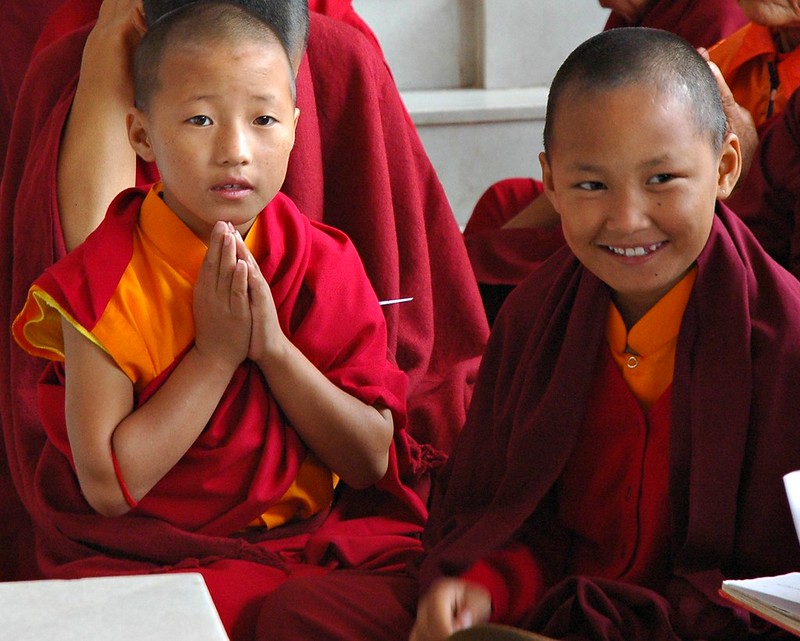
x=635 y=184
x=220 y=127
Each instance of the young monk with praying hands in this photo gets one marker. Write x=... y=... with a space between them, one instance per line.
x=220 y=384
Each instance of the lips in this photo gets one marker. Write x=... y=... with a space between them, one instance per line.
x=633 y=252
x=233 y=186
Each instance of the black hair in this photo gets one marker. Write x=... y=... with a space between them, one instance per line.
x=637 y=55
x=287 y=18
x=196 y=22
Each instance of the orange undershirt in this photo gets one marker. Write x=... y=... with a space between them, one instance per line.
x=628 y=495
x=646 y=353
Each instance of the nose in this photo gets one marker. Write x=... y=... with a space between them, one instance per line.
x=233 y=145
x=628 y=210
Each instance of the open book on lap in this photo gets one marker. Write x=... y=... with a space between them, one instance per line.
x=774 y=598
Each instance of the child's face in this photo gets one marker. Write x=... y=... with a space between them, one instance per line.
x=635 y=185
x=220 y=127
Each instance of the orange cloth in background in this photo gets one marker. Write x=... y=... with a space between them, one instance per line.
x=744 y=58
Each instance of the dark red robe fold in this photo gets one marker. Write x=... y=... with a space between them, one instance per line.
x=733 y=435
x=701 y=22
x=357 y=165
x=20 y=24
x=768 y=199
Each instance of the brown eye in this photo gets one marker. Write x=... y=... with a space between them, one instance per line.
x=199 y=121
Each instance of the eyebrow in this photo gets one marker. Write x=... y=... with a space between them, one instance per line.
x=652 y=162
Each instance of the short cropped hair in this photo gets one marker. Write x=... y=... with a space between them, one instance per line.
x=288 y=19
x=203 y=21
x=638 y=55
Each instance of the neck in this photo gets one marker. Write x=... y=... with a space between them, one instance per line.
x=631 y=311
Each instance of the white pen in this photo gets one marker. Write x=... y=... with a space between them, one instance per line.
x=393 y=301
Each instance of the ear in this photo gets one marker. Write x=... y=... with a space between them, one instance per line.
x=294 y=129
x=138 y=134
x=730 y=166
x=547 y=178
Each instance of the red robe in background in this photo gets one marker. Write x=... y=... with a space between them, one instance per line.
x=701 y=22
x=357 y=165
x=73 y=14
x=769 y=198
x=733 y=435
x=503 y=258
x=20 y=24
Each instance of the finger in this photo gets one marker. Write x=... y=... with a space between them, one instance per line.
x=215 y=243
x=139 y=19
x=722 y=84
x=227 y=262
x=242 y=250
x=239 y=303
x=463 y=619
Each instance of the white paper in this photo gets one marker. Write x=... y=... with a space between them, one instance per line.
x=791 y=482
x=156 y=607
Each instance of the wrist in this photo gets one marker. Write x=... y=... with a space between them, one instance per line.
x=274 y=354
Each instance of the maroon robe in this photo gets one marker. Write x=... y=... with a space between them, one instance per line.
x=702 y=22
x=734 y=421
x=357 y=165
x=768 y=199
x=503 y=258
x=20 y=24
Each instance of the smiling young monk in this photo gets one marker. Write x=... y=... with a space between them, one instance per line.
x=635 y=407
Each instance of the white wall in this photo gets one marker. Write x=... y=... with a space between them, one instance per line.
x=474 y=76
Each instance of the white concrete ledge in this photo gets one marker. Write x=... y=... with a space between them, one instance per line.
x=465 y=106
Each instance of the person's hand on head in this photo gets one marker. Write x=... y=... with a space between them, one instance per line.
x=221 y=307
x=740 y=120
x=95 y=161
x=113 y=40
x=448 y=606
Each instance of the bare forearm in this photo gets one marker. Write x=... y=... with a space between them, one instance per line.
x=152 y=439
x=95 y=160
x=539 y=214
x=349 y=436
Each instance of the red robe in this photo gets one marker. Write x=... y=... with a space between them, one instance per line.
x=20 y=24
x=73 y=14
x=502 y=258
x=357 y=165
x=316 y=279
x=733 y=435
x=701 y=22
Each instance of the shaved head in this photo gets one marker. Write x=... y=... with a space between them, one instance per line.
x=636 y=55
x=196 y=23
x=287 y=18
